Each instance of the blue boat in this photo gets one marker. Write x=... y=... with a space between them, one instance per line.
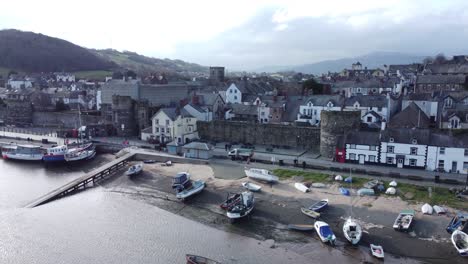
x=349 y=179
x=55 y=154
x=344 y=191
x=319 y=206
x=325 y=233
x=458 y=222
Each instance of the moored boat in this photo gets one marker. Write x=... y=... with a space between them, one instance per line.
x=23 y=152
x=301 y=187
x=377 y=251
x=366 y=191
x=319 y=206
x=78 y=154
x=325 y=233
x=404 y=220
x=344 y=191
x=458 y=222
x=181 y=181
x=197 y=186
x=194 y=259
x=460 y=242
x=55 y=154
x=149 y=161
x=352 y=231
x=318 y=185
x=310 y=213
x=301 y=227
x=231 y=200
x=251 y=186
x=439 y=210
x=261 y=175
x=371 y=184
x=134 y=169
x=243 y=208
x=426 y=209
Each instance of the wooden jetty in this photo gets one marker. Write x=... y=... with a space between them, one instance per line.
x=82 y=182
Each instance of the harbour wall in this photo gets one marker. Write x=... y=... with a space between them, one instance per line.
x=62 y=119
x=24 y=134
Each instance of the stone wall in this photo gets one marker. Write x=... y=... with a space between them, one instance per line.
x=263 y=134
x=62 y=119
x=334 y=124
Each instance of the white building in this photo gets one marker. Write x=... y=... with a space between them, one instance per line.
x=378 y=105
x=404 y=147
x=64 y=77
x=362 y=147
x=19 y=83
x=448 y=154
x=169 y=125
x=233 y=94
x=310 y=111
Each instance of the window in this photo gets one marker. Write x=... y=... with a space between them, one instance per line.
x=162 y=129
x=263 y=113
x=167 y=122
x=179 y=140
x=352 y=146
x=373 y=147
x=371 y=158
x=442 y=151
x=389 y=160
x=390 y=149
x=391 y=139
x=448 y=102
x=466 y=152
x=414 y=151
x=414 y=141
x=454 y=123
x=230 y=90
x=369 y=119
x=352 y=156
x=168 y=130
x=235 y=97
x=304 y=112
x=465 y=165
x=441 y=164
x=157 y=130
x=315 y=112
x=412 y=162
x=190 y=129
x=235 y=91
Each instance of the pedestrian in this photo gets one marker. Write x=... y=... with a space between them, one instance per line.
x=225 y=147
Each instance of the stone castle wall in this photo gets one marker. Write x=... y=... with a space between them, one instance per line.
x=62 y=119
x=334 y=124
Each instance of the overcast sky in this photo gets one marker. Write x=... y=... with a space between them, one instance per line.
x=247 y=34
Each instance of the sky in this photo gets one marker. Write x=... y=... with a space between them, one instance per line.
x=249 y=34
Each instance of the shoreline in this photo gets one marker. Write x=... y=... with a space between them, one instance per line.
x=278 y=205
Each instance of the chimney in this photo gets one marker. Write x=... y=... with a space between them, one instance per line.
x=383 y=125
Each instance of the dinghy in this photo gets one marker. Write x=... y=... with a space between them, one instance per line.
x=261 y=175
x=458 y=222
x=168 y=163
x=344 y=191
x=352 y=231
x=231 y=200
x=460 y=241
x=404 y=220
x=318 y=185
x=194 y=259
x=325 y=233
x=134 y=169
x=393 y=184
x=366 y=191
x=426 y=209
x=301 y=227
x=243 y=208
x=391 y=191
x=310 y=213
x=371 y=184
x=319 y=206
x=197 y=186
x=251 y=186
x=377 y=251
x=338 y=178
x=348 y=179
x=439 y=210
x=301 y=187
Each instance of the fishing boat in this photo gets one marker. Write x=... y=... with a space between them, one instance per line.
x=243 y=208
x=460 y=241
x=427 y=209
x=319 y=206
x=377 y=251
x=301 y=227
x=439 y=210
x=23 y=152
x=181 y=181
x=78 y=154
x=325 y=233
x=352 y=231
x=197 y=186
x=366 y=191
x=231 y=200
x=55 y=154
x=251 y=186
x=310 y=213
x=344 y=191
x=194 y=259
x=134 y=169
x=318 y=185
x=261 y=175
x=301 y=187
x=458 y=222
x=404 y=220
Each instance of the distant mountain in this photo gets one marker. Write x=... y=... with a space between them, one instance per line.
x=31 y=52
x=146 y=65
x=371 y=60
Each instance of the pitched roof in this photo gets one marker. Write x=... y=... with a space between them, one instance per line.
x=367 y=100
x=322 y=100
x=406 y=135
x=447 y=68
x=170 y=112
x=444 y=140
x=373 y=113
x=198 y=145
x=441 y=79
x=410 y=117
x=241 y=109
x=362 y=138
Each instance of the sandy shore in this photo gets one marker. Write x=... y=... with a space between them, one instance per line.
x=278 y=205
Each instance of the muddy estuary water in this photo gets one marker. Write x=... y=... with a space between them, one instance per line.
x=127 y=220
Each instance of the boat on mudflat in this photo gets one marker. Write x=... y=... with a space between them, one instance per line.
x=134 y=169
x=458 y=222
x=301 y=187
x=251 y=186
x=78 y=154
x=377 y=251
x=261 y=175
x=344 y=191
x=319 y=206
x=197 y=186
x=352 y=231
x=194 y=259
x=310 y=213
x=325 y=233
x=23 y=152
x=404 y=220
x=231 y=200
x=243 y=207
x=55 y=154
x=460 y=242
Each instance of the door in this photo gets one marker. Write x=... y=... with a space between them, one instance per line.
x=361 y=159
x=454 y=166
x=400 y=163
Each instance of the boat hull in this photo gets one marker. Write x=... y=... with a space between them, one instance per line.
x=197 y=188
x=261 y=176
x=352 y=231
x=27 y=157
x=460 y=242
x=324 y=232
x=301 y=187
x=53 y=158
x=239 y=215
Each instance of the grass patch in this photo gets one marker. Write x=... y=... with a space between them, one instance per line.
x=93 y=75
x=308 y=176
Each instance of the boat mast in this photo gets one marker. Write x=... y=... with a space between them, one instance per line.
x=79 y=128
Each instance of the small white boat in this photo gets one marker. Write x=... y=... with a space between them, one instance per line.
x=338 y=178
x=301 y=187
x=391 y=191
x=404 y=220
x=426 y=209
x=439 y=210
x=197 y=186
x=460 y=241
x=134 y=169
x=261 y=174
x=377 y=251
x=393 y=184
x=194 y=259
x=251 y=186
x=168 y=163
x=310 y=213
x=325 y=233
x=352 y=231
x=243 y=208
x=318 y=185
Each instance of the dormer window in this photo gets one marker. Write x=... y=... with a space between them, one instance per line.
x=391 y=140
x=414 y=141
x=309 y=104
x=356 y=105
x=330 y=104
x=448 y=102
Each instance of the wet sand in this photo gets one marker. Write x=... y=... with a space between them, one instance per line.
x=279 y=205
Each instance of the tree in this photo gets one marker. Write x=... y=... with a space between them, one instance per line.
x=312 y=85
x=117 y=75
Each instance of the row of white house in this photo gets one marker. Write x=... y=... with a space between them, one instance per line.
x=408 y=148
